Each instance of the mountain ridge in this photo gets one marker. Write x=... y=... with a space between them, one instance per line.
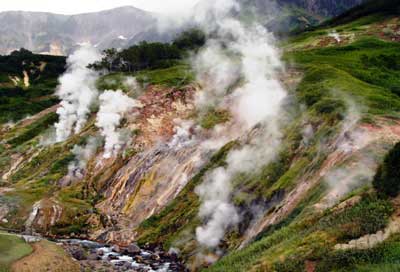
x=59 y=34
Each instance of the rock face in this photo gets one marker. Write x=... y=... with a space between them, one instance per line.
x=153 y=177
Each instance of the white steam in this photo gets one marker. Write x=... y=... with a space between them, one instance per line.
x=343 y=180
x=77 y=168
x=335 y=35
x=184 y=134
x=77 y=92
x=113 y=106
x=246 y=54
x=131 y=83
x=215 y=79
x=360 y=170
x=215 y=194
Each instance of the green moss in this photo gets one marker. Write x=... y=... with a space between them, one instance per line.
x=306 y=235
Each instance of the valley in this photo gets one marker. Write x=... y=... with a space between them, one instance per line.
x=192 y=168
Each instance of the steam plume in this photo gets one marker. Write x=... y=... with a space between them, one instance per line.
x=77 y=92
x=237 y=51
x=183 y=135
x=82 y=154
x=113 y=106
x=351 y=140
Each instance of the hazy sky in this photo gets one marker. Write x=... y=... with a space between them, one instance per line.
x=81 y=6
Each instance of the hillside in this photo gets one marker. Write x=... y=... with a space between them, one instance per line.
x=240 y=157
x=296 y=14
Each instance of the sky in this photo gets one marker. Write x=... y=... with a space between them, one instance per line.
x=82 y=6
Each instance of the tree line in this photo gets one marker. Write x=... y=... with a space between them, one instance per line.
x=150 y=55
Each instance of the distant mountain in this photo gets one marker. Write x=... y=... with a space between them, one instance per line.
x=59 y=34
x=295 y=14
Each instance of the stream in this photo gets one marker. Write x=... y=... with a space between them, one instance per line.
x=94 y=256
x=98 y=257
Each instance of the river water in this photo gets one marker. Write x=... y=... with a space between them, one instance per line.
x=96 y=256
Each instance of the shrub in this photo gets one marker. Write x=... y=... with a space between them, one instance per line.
x=387 y=178
x=368 y=216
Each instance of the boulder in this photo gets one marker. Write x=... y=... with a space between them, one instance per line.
x=116 y=249
x=133 y=249
x=78 y=254
x=93 y=257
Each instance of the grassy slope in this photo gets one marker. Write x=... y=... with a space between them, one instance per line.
x=307 y=236
x=12 y=248
x=47 y=256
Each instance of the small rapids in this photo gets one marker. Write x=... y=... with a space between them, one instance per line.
x=95 y=256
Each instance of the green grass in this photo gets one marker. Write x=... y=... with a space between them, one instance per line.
x=12 y=248
x=176 y=76
x=307 y=236
x=214 y=117
x=114 y=81
x=385 y=255
x=360 y=71
x=34 y=129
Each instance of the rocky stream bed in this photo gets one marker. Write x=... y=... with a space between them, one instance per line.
x=94 y=256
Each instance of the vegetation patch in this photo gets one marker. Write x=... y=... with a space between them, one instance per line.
x=214 y=117
x=34 y=129
x=387 y=178
x=12 y=248
x=176 y=76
